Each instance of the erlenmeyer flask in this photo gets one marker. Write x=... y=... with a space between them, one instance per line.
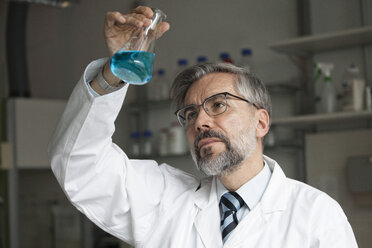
x=133 y=63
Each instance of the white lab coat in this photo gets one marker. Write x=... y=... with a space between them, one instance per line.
x=148 y=205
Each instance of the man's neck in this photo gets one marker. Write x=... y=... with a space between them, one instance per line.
x=249 y=168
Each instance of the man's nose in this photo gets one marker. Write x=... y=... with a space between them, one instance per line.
x=203 y=121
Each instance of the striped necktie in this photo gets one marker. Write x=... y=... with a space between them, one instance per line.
x=230 y=203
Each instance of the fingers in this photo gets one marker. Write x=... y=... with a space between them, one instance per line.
x=138 y=20
x=135 y=18
x=144 y=10
x=162 y=28
x=114 y=17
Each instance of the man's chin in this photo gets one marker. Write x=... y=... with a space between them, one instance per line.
x=210 y=152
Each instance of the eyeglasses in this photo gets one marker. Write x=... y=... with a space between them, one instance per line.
x=213 y=105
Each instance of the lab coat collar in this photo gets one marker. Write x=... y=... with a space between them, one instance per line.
x=276 y=195
x=207 y=220
x=206 y=193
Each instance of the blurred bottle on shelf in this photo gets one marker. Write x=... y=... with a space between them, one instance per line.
x=163 y=142
x=225 y=57
x=328 y=97
x=135 y=140
x=152 y=88
x=318 y=86
x=201 y=59
x=177 y=141
x=163 y=84
x=368 y=98
x=158 y=87
x=147 y=143
x=246 y=59
x=353 y=89
x=181 y=65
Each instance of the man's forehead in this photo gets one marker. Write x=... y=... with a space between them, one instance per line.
x=209 y=85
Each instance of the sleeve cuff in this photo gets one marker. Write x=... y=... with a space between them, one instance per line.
x=92 y=71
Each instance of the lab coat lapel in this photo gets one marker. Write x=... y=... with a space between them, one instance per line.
x=274 y=200
x=207 y=220
x=277 y=194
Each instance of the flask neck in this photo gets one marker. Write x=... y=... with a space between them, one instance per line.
x=157 y=18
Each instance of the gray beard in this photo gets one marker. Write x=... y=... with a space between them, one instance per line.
x=227 y=161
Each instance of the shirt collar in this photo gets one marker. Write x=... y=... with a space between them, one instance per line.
x=251 y=191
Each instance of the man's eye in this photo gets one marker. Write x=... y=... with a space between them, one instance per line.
x=217 y=105
x=191 y=115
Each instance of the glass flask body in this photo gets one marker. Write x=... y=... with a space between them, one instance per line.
x=133 y=63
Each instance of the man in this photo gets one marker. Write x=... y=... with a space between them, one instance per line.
x=246 y=200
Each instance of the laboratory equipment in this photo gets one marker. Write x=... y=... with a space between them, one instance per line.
x=133 y=63
x=225 y=57
x=181 y=65
x=135 y=137
x=246 y=59
x=147 y=142
x=368 y=98
x=353 y=89
x=328 y=99
x=163 y=142
x=177 y=141
x=201 y=59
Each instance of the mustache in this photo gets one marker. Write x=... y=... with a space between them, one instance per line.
x=210 y=134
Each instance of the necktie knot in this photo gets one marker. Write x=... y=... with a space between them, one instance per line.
x=230 y=203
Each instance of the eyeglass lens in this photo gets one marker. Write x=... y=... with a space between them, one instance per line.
x=212 y=106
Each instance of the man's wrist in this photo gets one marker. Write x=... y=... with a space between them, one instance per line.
x=106 y=82
x=109 y=77
x=105 y=85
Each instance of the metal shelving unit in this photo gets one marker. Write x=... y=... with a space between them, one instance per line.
x=309 y=45
x=303 y=48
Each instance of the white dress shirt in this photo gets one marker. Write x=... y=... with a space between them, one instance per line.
x=251 y=191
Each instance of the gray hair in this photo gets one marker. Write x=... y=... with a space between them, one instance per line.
x=248 y=85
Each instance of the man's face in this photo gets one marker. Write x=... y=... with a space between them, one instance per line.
x=220 y=143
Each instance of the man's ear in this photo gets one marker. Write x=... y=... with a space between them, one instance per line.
x=263 y=123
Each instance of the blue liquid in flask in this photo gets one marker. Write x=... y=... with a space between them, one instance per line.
x=133 y=67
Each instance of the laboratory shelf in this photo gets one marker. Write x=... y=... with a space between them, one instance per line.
x=287 y=86
x=285 y=145
x=308 y=120
x=307 y=45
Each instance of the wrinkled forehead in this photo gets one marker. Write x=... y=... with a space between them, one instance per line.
x=209 y=85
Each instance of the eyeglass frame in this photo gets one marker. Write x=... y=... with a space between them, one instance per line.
x=197 y=106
